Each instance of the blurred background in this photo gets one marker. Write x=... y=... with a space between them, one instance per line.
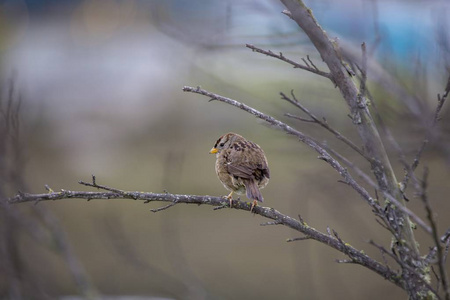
x=94 y=87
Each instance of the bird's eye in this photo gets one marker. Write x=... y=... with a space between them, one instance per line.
x=221 y=144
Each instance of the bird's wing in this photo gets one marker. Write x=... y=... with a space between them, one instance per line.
x=242 y=164
x=242 y=171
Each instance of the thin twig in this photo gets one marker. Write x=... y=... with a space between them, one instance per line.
x=438 y=279
x=411 y=168
x=437 y=242
x=445 y=236
x=280 y=56
x=325 y=125
x=447 y=246
x=299 y=118
x=303 y=238
x=163 y=207
x=361 y=174
x=306 y=63
x=312 y=64
x=362 y=88
x=99 y=186
x=301 y=219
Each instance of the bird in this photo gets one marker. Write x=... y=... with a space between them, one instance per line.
x=241 y=166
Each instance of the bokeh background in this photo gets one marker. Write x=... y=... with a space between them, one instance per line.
x=99 y=88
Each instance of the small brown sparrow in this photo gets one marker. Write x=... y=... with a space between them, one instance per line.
x=241 y=167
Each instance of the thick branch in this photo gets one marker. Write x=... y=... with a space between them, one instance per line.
x=381 y=167
x=111 y=193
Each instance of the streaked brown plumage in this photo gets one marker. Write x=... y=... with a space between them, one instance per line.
x=241 y=166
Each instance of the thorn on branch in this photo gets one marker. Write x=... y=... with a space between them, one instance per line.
x=48 y=189
x=343 y=181
x=301 y=219
x=446 y=236
x=345 y=261
x=287 y=13
x=321 y=157
x=276 y=222
x=336 y=235
x=303 y=238
x=220 y=206
x=430 y=258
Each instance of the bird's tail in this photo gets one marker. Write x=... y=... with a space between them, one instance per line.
x=252 y=191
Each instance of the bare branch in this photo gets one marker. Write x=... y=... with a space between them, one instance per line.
x=323 y=154
x=266 y=212
x=280 y=56
x=330 y=52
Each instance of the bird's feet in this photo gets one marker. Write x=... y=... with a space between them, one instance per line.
x=230 y=198
x=254 y=203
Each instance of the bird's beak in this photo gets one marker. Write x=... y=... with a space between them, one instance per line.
x=213 y=151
